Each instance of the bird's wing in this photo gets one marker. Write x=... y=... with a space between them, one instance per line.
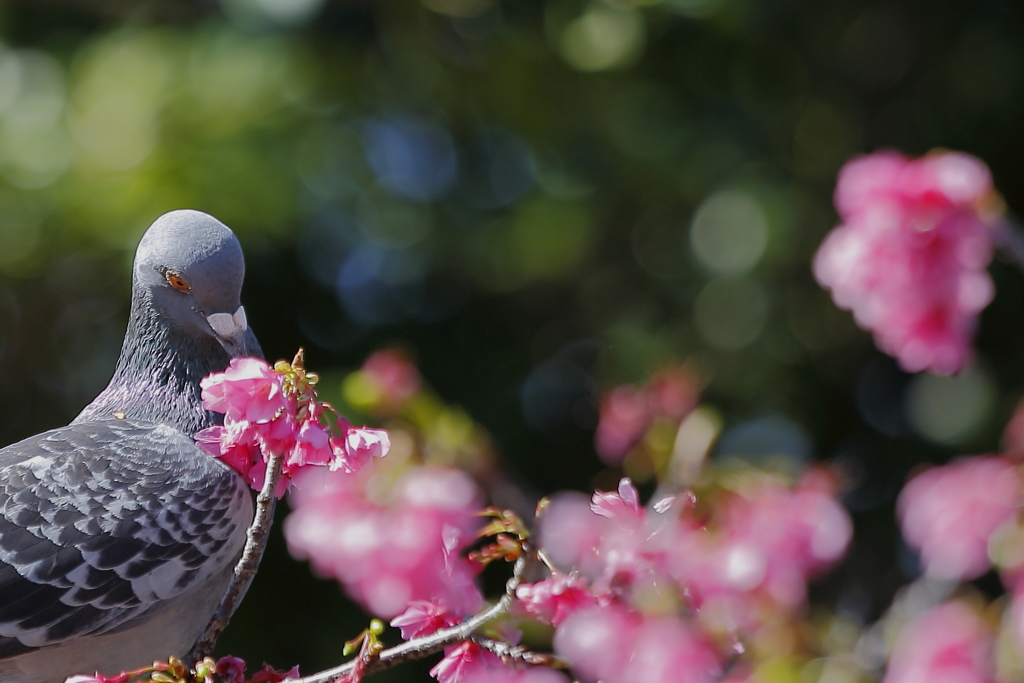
x=105 y=522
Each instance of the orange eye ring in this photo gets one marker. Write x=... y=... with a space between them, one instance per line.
x=177 y=281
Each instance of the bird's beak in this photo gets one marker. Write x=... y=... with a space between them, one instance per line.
x=230 y=330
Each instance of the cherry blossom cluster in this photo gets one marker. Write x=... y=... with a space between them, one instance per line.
x=470 y=660
x=390 y=546
x=674 y=590
x=964 y=519
x=954 y=514
x=274 y=410
x=397 y=536
x=686 y=584
x=627 y=411
x=950 y=642
x=910 y=255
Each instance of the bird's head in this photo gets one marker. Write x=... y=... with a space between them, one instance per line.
x=189 y=268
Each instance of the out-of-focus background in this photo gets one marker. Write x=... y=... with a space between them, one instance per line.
x=538 y=200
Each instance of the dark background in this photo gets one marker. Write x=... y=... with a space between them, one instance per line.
x=516 y=192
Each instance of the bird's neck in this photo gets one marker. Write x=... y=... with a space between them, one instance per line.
x=157 y=376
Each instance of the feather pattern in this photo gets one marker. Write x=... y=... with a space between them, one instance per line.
x=105 y=522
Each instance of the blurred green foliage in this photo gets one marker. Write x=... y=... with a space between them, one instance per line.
x=538 y=198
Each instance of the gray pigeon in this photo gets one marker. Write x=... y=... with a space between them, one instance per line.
x=117 y=534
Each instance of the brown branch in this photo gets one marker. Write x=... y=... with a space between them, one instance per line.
x=245 y=569
x=418 y=648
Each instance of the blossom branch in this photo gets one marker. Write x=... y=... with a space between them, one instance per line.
x=517 y=653
x=418 y=648
x=245 y=569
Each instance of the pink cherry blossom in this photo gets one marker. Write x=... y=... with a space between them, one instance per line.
x=909 y=259
x=947 y=644
x=555 y=598
x=422 y=618
x=949 y=513
x=312 y=446
x=624 y=416
x=625 y=503
x=358 y=447
x=746 y=558
x=389 y=550
x=614 y=645
x=393 y=376
x=570 y=532
x=773 y=539
x=673 y=392
x=264 y=416
x=258 y=476
x=277 y=436
x=595 y=642
x=235 y=444
x=666 y=650
x=464 y=661
x=248 y=390
x=627 y=412
x=508 y=674
x=97 y=678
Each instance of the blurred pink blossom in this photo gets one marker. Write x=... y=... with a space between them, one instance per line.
x=947 y=644
x=624 y=416
x=571 y=533
x=507 y=674
x=673 y=392
x=909 y=258
x=555 y=598
x=751 y=552
x=774 y=539
x=614 y=645
x=390 y=550
x=627 y=412
x=666 y=650
x=595 y=641
x=393 y=375
x=949 y=513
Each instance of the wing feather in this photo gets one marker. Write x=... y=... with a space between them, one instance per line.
x=104 y=522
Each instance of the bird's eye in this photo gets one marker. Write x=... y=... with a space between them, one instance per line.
x=177 y=281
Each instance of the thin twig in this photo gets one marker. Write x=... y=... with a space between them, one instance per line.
x=418 y=648
x=248 y=563
x=546 y=560
x=517 y=653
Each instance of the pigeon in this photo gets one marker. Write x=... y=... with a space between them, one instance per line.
x=118 y=535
